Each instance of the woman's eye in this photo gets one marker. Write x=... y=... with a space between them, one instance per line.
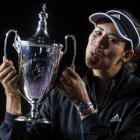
x=98 y=33
x=112 y=40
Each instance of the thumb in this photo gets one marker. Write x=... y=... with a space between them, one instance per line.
x=4 y=59
x=73 y=67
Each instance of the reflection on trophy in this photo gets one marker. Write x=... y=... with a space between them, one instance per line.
x=39 y=58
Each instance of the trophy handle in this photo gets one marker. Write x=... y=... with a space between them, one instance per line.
x=74 y=42
x=17 y=44
x=62 y=53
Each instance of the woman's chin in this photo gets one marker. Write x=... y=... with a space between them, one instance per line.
x=92 y=64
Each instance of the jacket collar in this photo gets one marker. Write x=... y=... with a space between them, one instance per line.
x=116 y=82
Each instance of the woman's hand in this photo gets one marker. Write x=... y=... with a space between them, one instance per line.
x=72 y=86
x=9 y=77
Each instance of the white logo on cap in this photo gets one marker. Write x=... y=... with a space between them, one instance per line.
x=116 y=16
x=125 y=35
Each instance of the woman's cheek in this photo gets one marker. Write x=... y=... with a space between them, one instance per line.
x=91 y=40
x=109 y=53
x=87 y=51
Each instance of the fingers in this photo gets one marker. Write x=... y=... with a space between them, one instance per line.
x=60 y=87
x=14 y=80
x=5 y=64
x=5 y=68
x=68 y=78
x=63 y=82
x=10 y=75
x=21 y=67
x=5 y=60
x=72 y=72
x=6 y=71
x=63 y=86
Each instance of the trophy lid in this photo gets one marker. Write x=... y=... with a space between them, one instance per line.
x=41 y=36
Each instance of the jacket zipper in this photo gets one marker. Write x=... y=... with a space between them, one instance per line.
x=106 y=93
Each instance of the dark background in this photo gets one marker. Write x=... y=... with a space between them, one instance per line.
x=65 y=17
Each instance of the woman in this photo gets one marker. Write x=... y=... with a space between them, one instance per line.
x=104 y=105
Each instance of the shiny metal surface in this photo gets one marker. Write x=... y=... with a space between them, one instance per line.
x=38 y=67
x=36 y=120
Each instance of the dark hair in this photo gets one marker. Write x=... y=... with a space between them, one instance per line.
x=132 y=63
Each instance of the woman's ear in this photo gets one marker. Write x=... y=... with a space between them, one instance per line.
x=127 y=56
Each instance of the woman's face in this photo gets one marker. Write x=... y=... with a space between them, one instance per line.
x=105 y=46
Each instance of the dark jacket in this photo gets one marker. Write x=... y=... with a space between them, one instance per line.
x=118 y=118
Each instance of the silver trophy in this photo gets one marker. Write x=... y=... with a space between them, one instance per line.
x=39 y=58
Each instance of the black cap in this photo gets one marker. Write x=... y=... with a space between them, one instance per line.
x=123 y=24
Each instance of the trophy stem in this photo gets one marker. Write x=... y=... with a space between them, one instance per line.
x=34 y=114
x=34 y=108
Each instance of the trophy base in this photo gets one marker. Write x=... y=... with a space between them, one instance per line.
x=36 y=120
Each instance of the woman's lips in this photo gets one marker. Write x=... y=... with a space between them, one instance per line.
x=95 y=54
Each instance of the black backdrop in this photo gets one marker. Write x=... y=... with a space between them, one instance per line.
x=65 y=17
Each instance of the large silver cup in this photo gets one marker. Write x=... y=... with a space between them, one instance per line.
x=38 y=66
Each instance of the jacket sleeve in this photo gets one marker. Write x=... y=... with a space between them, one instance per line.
x=18 y=130
x=94 y=129
x=11 y=129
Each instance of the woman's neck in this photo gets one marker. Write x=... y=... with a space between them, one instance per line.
x=106 y=75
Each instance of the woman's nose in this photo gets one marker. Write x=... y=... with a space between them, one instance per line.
x=100 y=42
x=98 y=45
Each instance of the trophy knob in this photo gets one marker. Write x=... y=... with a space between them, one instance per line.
x=43 y=15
